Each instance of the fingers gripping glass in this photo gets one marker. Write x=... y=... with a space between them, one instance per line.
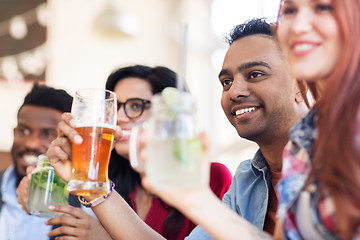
x=134 y=107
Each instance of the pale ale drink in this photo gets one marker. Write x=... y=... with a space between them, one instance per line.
x=91 y=161
x=94 y=111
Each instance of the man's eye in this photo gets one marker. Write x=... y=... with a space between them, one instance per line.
x=226 y=82
x=23 y=131
x=256 y=74
x=49 y=134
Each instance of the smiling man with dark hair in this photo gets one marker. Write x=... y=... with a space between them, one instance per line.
x=37 y=121
x=262 y=101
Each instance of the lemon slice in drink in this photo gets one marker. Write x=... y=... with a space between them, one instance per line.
x=169 y=96
x=188 y=152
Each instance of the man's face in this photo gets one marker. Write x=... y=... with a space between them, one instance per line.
x=258 y=93
x=36 y=128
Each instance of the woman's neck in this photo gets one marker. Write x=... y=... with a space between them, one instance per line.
x=143 y=201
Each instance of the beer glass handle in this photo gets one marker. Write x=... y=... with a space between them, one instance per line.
x=134 y=148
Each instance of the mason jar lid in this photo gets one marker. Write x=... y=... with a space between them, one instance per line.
x=43 y=160
x=184 y=102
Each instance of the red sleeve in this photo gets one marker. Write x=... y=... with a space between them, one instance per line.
x=220 y=179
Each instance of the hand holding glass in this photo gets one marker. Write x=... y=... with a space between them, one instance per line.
x=94 y=111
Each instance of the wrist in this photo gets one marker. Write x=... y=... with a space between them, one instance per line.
x=194 y=199
x=93 y=202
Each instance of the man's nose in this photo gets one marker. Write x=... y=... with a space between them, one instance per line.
x=239 y=88
x=34 y=142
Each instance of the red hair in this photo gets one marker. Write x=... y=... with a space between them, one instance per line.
x=336 y=162
x=336 y=156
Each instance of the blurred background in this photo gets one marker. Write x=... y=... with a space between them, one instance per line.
x=73 y=44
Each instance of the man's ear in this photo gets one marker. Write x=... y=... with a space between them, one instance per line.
x=301 y=90
x=298 y=96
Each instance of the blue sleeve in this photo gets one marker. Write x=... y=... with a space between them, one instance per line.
x=198 y=234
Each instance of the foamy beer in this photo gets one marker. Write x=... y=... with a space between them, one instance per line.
x=95 y=113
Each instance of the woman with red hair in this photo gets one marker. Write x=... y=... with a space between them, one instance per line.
x=320 y=187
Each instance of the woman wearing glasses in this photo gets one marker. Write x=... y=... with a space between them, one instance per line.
x=134 y=87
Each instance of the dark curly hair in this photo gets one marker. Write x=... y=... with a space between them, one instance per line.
x=44 y=96
x=251 y=27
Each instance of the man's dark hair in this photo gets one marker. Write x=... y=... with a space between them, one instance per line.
x=251 y=27
x=44 y=96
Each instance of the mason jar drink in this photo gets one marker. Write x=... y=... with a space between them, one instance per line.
x=46 y=188
x=173 y=148
x=94 y=111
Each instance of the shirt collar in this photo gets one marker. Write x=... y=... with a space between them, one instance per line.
x=304 y=132
x=8 y=187
x=259 y=163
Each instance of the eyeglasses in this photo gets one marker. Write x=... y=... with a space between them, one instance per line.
x=134 y=107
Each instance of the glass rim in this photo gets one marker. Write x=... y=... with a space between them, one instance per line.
x=111 y=97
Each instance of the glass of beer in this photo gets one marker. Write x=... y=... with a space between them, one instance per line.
x=95 y=113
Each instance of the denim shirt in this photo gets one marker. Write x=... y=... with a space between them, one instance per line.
x=15 y=223
x=248 y=194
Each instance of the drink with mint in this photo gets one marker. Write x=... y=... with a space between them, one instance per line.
x=174 y=151
x=46 y=188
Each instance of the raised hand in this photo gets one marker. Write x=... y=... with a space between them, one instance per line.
x=59 y=152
